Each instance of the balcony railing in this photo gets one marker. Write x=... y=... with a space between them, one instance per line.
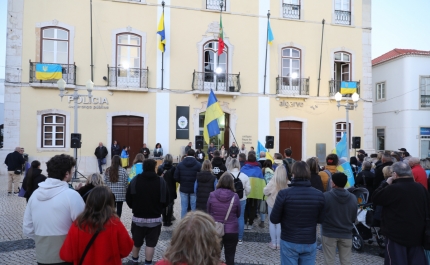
x=335 y=87
x=214 y=4
x=342 y=17
x=127 y=77
x=292 y=86
x=205 y=81
x=68 y=71
x=425 y=101
x=291 y=11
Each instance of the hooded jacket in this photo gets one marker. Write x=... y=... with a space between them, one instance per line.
x=218 y=204
x=340 y=212
x=53 y=198
x=168 y=177
x=205 y=184
x=186 y=173
x=218 y=167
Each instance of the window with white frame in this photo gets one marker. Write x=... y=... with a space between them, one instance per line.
x=380 y=91
x=342 y=12
x=342 y=66
x=380 y=139
x=216 y=5
x=340 y=130
x=425 y=91
x=215 y=67
x=291 y=9
x=55 y=45
x=53 y=131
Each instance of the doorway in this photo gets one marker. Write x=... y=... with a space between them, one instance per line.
x=290 y=136
x=220 y=139
x=128 y=131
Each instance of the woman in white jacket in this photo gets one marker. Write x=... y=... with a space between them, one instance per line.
x=233 y=166
x=278 y=182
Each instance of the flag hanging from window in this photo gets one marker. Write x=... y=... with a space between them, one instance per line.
x=213 y=112
x=48 y=71
x=162 y=32
x=220 y=37
x=270 y=37
x=348 y=87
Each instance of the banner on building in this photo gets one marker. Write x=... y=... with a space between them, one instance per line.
x=182 y=122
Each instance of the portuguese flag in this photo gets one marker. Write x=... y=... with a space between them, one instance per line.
x=220 y=37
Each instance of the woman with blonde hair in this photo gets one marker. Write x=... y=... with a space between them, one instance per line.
x=205 y=183
x=137 y=167
x=93 y=181
x=387 y=171
x=194 y=241
x=278 y=182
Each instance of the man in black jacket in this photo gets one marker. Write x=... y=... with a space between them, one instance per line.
x=218 y=167
x=147 y=196
x=115 y=149
x=145 y=151
x=379 y=176
x=233 y=150
x=405 y=204
x=101 y=152
x=14 y=162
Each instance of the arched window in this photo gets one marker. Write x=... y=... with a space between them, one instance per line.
x=215 y=67
x=55 y=45
x=128 y=59
x=53 y=131
x=291 y=71
x=342 y=66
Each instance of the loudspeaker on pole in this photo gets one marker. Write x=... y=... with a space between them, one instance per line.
x=270 y=141
x=75 y=140
x=356 y=142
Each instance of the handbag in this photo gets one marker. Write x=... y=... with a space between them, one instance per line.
x=263 y=207
x=219 y=227
x=88 y=247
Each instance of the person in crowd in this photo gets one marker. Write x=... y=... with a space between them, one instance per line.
x=223 y=153
x=195 y=229
x=101 y=152
x=262 y=158
x=361 y=154
x=186 y=175
x=218 y=166
x=340 y=212
x=116 y=178
x=224 y=206
x=402 y=152
x=147 y=196
x=256 y=178
x=200 y=155
x=267 y=170
x=298 y=235
x=14 y=162
x=205 y=183
x=167 y=171
x=233 y=168
x=211 y=150
x=396 y=156
x=93 y=181
x=158 y=151
x=378 y=159
x=316 y=181
x=289 y=162
x=233 y=150
x=277 y=183
x=365 y=178
x=379 y=176
x=145 y=151
x=188 y=147
x=137 y=167
x=332 y=161
x=115 y=149
x=277 y=160
x=100 y=221
x=242 y=159
x=418 y=172
x=354 y=166
x=405 y=204
x=51 y=210
x=32 y=179
x=124 y=157
x=243 y=150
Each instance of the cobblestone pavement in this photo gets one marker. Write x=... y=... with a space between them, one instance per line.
x=16 y=249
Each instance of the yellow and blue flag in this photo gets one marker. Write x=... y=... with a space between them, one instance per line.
x=213 y=112
x=270 y=37
x=341 y=149
x=261 y=148
x=256 y=180
x=347 y=170
x=162 y=32
x=48 y=71
x=348 y=87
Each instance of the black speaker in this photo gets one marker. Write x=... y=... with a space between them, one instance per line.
x=75 y=140
x=199 y=142
x=356 y=141
x=270 y=141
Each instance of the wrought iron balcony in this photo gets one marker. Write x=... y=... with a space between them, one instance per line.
x=342 y=17
x=127 y=77
x=335 y=87
x=68 y=72
x=215 y=4
x=291 y=11
x=425 y=101
x=292 y=86
x=205 y=81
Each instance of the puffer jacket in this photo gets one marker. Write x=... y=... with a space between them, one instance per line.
x=218 y=204
x=205 y=185
x=186 y=174
x=300 y=199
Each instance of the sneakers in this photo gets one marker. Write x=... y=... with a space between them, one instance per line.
x=272 y=246
x=15 y=193
x=261 y=224
x=132 y=262
x=240 y=242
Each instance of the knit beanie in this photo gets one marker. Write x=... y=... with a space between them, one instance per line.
x=339 y=179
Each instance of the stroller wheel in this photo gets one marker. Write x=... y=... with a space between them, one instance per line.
x=357 y=242
x=381 y=241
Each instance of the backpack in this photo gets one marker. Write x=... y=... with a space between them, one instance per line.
x=238 y=185
x=288 y=163
x=329 y=180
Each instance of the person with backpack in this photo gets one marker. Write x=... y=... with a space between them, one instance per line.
x=289 y=162
x=205 y=184
x=332 y=161
x=167 y=171
x=243 y=188
x=218 y=164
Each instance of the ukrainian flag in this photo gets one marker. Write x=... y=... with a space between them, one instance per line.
x=260 y=148
x=213 y=112
x=270 y=37
x=256 y=180
x=341 y=148
x=48 y=71
x=347 y=170
x=348 y=87
x=162 y=32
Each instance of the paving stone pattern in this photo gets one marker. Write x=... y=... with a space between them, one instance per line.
x=16 y=249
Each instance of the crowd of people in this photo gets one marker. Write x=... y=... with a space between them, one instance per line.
x=220 y=198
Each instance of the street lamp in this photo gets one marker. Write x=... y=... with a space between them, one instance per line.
x=62 y=86
x=348 y=106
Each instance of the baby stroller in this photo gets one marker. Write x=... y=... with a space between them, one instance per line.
x=364 y=227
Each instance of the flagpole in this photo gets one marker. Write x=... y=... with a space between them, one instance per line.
x=91 y=25
x=221 y=4
x=319 y=75
x=162 y=53
x=267 y=43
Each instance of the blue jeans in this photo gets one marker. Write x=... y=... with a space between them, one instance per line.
x=184 y=202
x=301 y=254
x=100 y=162
x=241 y=219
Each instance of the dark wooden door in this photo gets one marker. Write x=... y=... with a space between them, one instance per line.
x=290 y=136
x=128 y=131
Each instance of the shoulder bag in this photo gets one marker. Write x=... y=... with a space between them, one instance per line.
x=88 y=247
x=219 y=227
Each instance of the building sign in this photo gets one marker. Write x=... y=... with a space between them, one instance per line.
x=182 y=122
x=246 y=139
x=425 y=131
x=89 y=103
x=291 y=104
